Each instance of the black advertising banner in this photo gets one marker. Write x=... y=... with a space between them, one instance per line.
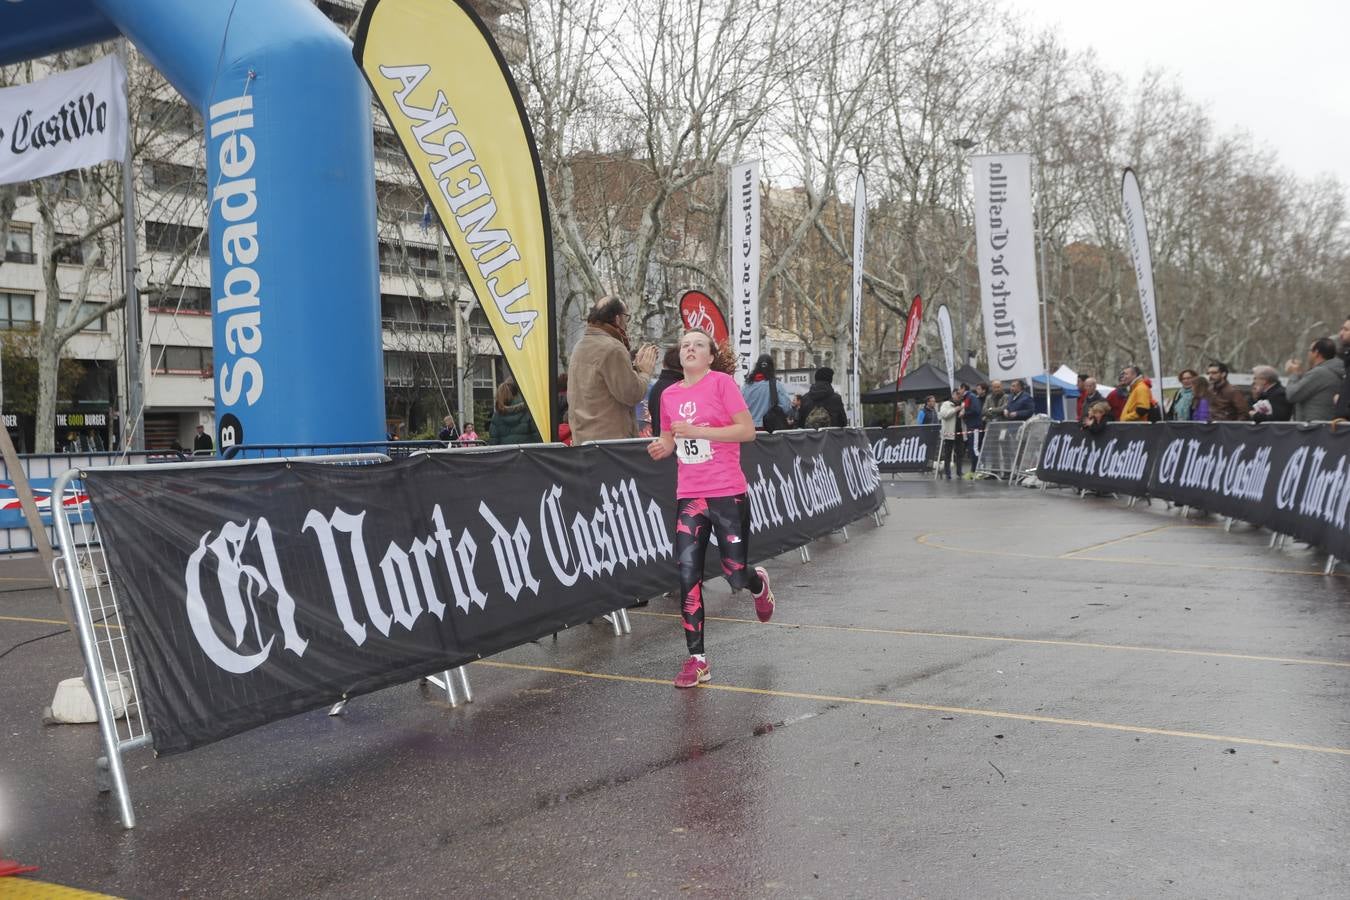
x=1119 y=459
x=1289 y=477
x=905 y=448
x=1285 y=476
x=258 y=591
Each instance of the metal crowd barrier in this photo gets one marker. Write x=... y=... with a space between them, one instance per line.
x=1030 y=444
x=18 y=538
x=999 y=452
x=110 y=673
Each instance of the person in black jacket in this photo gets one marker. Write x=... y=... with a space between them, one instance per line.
x=672 y=370
x=823 y=394
x=1269 y=402
x=1342 y=408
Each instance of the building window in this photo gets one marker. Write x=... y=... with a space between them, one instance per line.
x=170 y=115
x=409 y=260
x=388 y=148
x=173 y=177
x=171 y=360
x=99 y=324
x=16 y=310
x=72 y=254
x=342 y=16
x=19 y=245
x=181 y=299
x=172 y=237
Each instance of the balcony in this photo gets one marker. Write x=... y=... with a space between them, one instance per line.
x=22 y=257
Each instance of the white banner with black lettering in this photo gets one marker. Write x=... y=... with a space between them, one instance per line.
x=743 y=206
x=948 y=353
x=1136 y=232
x=66 y=121
x=859 y=235
x=1005 y=244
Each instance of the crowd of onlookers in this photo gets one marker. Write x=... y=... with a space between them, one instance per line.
x=1315 y=390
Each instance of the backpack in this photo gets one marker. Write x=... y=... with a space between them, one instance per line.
x=818 y=417
x=774 y=419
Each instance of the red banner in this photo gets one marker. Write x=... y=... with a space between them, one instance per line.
x=912 y=323
x=697 y=310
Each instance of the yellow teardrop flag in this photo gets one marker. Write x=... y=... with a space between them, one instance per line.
x=445 y=87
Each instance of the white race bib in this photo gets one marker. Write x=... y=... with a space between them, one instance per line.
x=692 y=451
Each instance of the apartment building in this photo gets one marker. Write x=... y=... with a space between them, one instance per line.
x=419 y=279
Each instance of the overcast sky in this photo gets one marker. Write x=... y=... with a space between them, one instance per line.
x=1279 y=69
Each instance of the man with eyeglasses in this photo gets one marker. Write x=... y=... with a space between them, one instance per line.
x=605 y=382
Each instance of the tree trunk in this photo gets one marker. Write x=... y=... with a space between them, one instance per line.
x=48 y=365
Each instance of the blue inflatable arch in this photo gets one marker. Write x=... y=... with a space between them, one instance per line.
x=294 y=272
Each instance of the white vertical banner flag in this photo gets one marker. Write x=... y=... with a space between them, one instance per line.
x=1005 y=246
x=859 y=236
x=1136 y=232
x=65 y=121
x=743 y=206
x=945 y=331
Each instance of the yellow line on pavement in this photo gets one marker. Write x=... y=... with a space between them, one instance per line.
x=49 y=621
x=1090 y=645
x=930 y=707
x=1119 y=540
x=31 y=889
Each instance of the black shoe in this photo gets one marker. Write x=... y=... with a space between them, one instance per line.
x=639 y=604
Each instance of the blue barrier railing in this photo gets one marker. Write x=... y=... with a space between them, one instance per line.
x=393 y=449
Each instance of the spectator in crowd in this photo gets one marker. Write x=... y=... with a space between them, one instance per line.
x=448 y=432
x=823 y=400
x=975 y=421
x=1228 y=403
x=1090 y=396
x=1139 y=399
x=994 y=403
x=1201 y=400
x=928 y=412
x=562 y=396
x=468 y=435
x=953 y=433
x=1095 y=419
x=1342 y=410
x=609 y=382
x=1020 y=405
x=201 y=441
x=1313 y=392
x=1083 y=402
x=1118 y=396
x=795 y=411
x=511 y=420
x=671 y=372
x=765 y=396
x=1184 y=399
x=1269 y=402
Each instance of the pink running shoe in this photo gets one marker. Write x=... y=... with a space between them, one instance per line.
x=693 y=673
x=764 y=599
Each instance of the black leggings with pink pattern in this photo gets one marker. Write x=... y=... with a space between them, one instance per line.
x=695 y=519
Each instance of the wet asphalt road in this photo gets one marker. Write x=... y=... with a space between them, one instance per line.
x=999 y=693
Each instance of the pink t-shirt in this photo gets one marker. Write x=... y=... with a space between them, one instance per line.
x=705 y=468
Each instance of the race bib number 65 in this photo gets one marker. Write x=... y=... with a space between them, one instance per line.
x=692 y=451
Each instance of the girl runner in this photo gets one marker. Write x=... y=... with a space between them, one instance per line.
x=704 y=420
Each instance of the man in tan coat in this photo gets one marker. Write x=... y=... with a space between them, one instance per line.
x=604 y=383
